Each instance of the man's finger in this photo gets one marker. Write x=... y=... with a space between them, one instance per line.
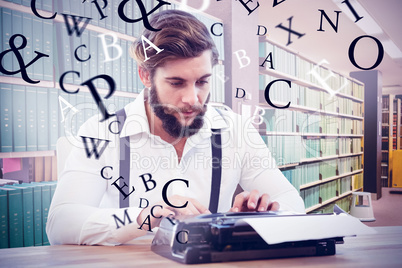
x=253 y=200
x=200 y=207
x=263 y=202
x=274 y=206
x=239 y=200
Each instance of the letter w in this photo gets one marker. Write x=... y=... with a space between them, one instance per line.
x=76 y=21
x=95 y=144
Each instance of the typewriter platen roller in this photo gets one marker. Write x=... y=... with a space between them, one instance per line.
x=224 y=237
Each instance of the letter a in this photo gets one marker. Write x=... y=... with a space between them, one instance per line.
x=143 y=38
x=66 y=107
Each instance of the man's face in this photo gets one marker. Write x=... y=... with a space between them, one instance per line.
x=179 y=92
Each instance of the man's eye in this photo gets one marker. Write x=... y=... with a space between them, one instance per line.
x=202 y=82
x=176 y=84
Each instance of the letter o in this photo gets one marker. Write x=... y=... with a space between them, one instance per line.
x=352 y=52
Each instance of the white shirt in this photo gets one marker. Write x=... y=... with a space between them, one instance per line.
x=85 y=200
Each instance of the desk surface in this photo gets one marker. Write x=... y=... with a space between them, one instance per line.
x=383 y=249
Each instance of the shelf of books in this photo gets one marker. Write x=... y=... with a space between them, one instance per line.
x=385 y=141
x=391 y=136
x=34 y=115
x=317 y=141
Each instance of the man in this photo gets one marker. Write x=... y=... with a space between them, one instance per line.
x=170 y=137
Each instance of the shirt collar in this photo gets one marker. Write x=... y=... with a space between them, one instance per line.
x=137 y=120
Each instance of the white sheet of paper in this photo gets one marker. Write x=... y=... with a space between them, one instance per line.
x=306 y=227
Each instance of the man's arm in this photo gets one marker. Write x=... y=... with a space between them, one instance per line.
x=266 y=188
x=75 y=215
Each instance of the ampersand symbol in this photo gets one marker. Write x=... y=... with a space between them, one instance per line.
x=143 y=11
x=21 y=63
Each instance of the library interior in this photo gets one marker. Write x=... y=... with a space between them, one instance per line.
x=321 y=81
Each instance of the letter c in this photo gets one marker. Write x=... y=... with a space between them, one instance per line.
x=103 y=176
x=164 y=194
x=212 y=28
x=185 y=237
x=152 y=211
x=61 y=82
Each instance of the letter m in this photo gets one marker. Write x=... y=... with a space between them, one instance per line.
x=95 y=145
x=123 y=222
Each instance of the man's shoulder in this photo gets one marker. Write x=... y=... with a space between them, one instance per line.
x=96 y=126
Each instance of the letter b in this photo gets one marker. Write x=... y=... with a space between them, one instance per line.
x=150 y=180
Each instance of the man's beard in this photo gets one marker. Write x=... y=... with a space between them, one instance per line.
x=170 y=123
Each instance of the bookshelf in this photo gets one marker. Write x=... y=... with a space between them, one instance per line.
x=34 y=116
x=317 y=141
x=67 y=115
x=391 y=137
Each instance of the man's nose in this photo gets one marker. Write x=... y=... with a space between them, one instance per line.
x=190 y=95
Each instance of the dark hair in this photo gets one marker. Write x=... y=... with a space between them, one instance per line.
x=181 y=36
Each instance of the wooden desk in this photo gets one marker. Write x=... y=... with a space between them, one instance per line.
x=383 y=249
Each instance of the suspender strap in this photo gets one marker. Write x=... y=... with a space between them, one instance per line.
x=216 y=170
x=124 y=169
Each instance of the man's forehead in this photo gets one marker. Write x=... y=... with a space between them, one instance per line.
x=180 y=68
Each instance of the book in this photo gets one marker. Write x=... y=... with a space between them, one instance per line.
x=16 y=29
x=15 y=216
x=7 y=28
x=19 y=119
x=43 y=118
x=4 y=227
x=45 y=211
x=37 y=211
x=39 y=169
x=93 y=62
x=76 y=57
x=53 y=123
x=27 y=31
x=31 y=118
x=54 y=176
x=37 y=44
x=86 y=56
x=47 y=168
x=64 y=63
x=47 y=46
x=28 y=212
x=6 y=118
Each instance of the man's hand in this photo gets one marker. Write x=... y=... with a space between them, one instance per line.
x=161 y=209
x=247 y=201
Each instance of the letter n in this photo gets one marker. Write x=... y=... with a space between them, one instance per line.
x=95 y=143
x=334 y=26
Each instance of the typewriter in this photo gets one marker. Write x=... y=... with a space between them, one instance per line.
x=225 y=237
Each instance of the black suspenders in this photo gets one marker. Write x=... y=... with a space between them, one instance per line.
x=216 y=170
x=124 y=170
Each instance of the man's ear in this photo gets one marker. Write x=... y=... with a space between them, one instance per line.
x=145 y=77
